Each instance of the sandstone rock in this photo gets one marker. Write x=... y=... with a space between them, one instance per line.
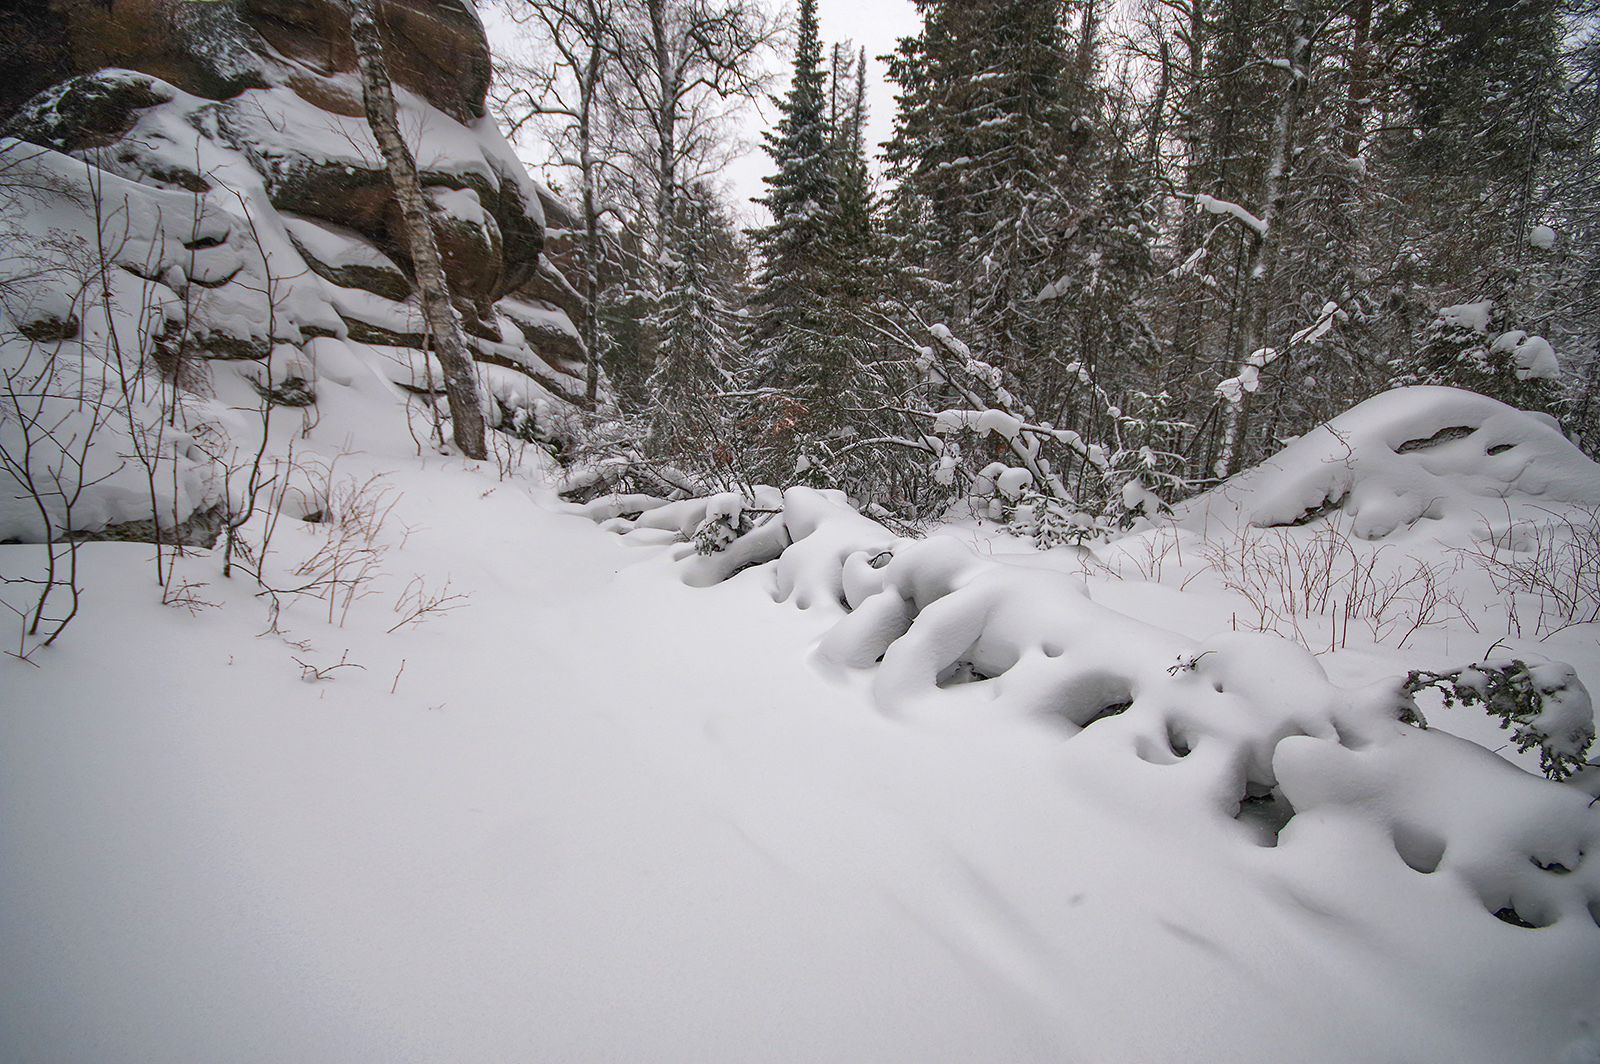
x=340 y=255
x=130 y=84
x=51 y=329
x=89 y=111
x=218 y=48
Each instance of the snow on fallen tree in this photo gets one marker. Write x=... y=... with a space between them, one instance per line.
x=1406 y=455
x=1246 y=725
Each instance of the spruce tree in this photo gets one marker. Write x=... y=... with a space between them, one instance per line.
x=791 y=338
x=697 y=344
x=985 y=142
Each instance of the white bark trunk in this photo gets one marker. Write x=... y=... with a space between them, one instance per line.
x=460 y=380
x=1263 y=262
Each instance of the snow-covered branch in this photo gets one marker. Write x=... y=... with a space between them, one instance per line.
x=1220 y=206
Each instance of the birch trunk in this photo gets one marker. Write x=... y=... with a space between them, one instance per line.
x=592 y=248
x=460 y=381
x=1262 y=266
x=669 y=87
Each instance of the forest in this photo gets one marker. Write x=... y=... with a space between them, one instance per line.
x=1105 y=570
x=1166 y=237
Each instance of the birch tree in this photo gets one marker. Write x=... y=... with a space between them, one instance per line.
x=433 y=289
x=685 y=68
x=569 y=101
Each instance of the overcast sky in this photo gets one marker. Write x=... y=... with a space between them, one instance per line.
x=875 y=25
x=872 y=24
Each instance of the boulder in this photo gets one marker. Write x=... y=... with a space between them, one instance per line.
x=166 y=92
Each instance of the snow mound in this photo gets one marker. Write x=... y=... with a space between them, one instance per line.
x=1245 y=725
x=1411 y=454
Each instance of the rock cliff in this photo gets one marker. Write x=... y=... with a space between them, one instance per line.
x=191 y=183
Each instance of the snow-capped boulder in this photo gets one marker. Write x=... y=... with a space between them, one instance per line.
x=1406 y=455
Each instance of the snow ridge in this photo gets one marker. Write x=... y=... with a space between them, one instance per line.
x=1247 y=725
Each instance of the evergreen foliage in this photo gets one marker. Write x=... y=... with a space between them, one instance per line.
x=1151 y=249
x=789 y=328
x=991 y=129
x=813 y=368
x=697 y=343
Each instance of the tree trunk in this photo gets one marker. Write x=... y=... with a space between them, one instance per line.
x=460 y=380
x=1360 y=95
x=670 y=92
x=1262 y=268
x=591 y=220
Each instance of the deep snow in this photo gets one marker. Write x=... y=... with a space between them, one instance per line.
x=604 y=812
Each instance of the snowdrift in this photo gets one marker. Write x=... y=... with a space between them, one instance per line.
x=1261 y=735
x=593 y=813
x=1410 y=455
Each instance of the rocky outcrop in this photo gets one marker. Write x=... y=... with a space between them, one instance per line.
x=219 y=48
x=252 y=107
x=196 y=229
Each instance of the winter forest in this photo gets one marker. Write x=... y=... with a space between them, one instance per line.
x=1092 y=558
x=1170 y=236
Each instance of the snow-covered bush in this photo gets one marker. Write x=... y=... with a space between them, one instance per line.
x=1473 y=345
x=1542 y=705
x=1266 y=743
x=724 y=522
x=1048 y=484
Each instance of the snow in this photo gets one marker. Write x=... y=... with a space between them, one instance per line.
x=1331 y=314
x=1248 y=379
x=1408 y=455
x=1136 y=498
x=1213 y=205
x=1533 y=356
x=1473 y=316
x=1013 y=481
x=540 y=314
x=980 y=421
x=609 y=807
x=752 y=777
x=335 y=245
x=1427 y=827
x=1568 y=718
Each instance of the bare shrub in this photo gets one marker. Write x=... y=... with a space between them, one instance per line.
x=343 y=565
x=1551 y=567
x=1290 y=578
x=418 y=603
x=185 y=595
x=310 y=673
x=343 y=517
x=48 y=424
x=1148 y=554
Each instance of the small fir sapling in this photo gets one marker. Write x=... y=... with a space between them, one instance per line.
x=1474 y=346
x=725 y=521
x=1049 y=523
x=1542 y=705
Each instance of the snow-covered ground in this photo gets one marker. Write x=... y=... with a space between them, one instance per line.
x=607 y=806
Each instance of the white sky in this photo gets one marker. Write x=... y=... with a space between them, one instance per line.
x=873 y=24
